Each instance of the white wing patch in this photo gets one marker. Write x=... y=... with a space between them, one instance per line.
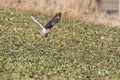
x=38 y=23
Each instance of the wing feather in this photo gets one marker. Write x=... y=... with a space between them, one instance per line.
x=38 y=23
x=54 y=20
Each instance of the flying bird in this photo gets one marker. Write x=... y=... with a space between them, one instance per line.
x=47 y=28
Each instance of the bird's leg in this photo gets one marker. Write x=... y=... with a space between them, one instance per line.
x=46 y=35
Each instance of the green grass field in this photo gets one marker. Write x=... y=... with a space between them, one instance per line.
x=73 y=51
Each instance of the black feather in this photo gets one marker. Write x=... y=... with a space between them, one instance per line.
x=54 y=20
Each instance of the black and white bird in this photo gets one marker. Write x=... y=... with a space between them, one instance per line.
x=49 y=25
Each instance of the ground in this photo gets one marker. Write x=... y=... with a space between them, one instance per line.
x=74 y=50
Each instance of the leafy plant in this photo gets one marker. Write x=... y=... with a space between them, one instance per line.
x=73 y=50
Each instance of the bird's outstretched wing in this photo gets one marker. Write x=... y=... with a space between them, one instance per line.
x=38 y=23
x=54 y=20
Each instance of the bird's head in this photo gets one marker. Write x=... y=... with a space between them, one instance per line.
x=58 y=14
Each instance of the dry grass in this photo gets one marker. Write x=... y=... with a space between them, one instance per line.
x=71 y=7
x=86 y=10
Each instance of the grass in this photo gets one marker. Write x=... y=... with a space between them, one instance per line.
x=74 y=8
x=73 y=51
x=84 y=10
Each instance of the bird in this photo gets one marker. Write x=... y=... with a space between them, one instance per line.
x=47 y=28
